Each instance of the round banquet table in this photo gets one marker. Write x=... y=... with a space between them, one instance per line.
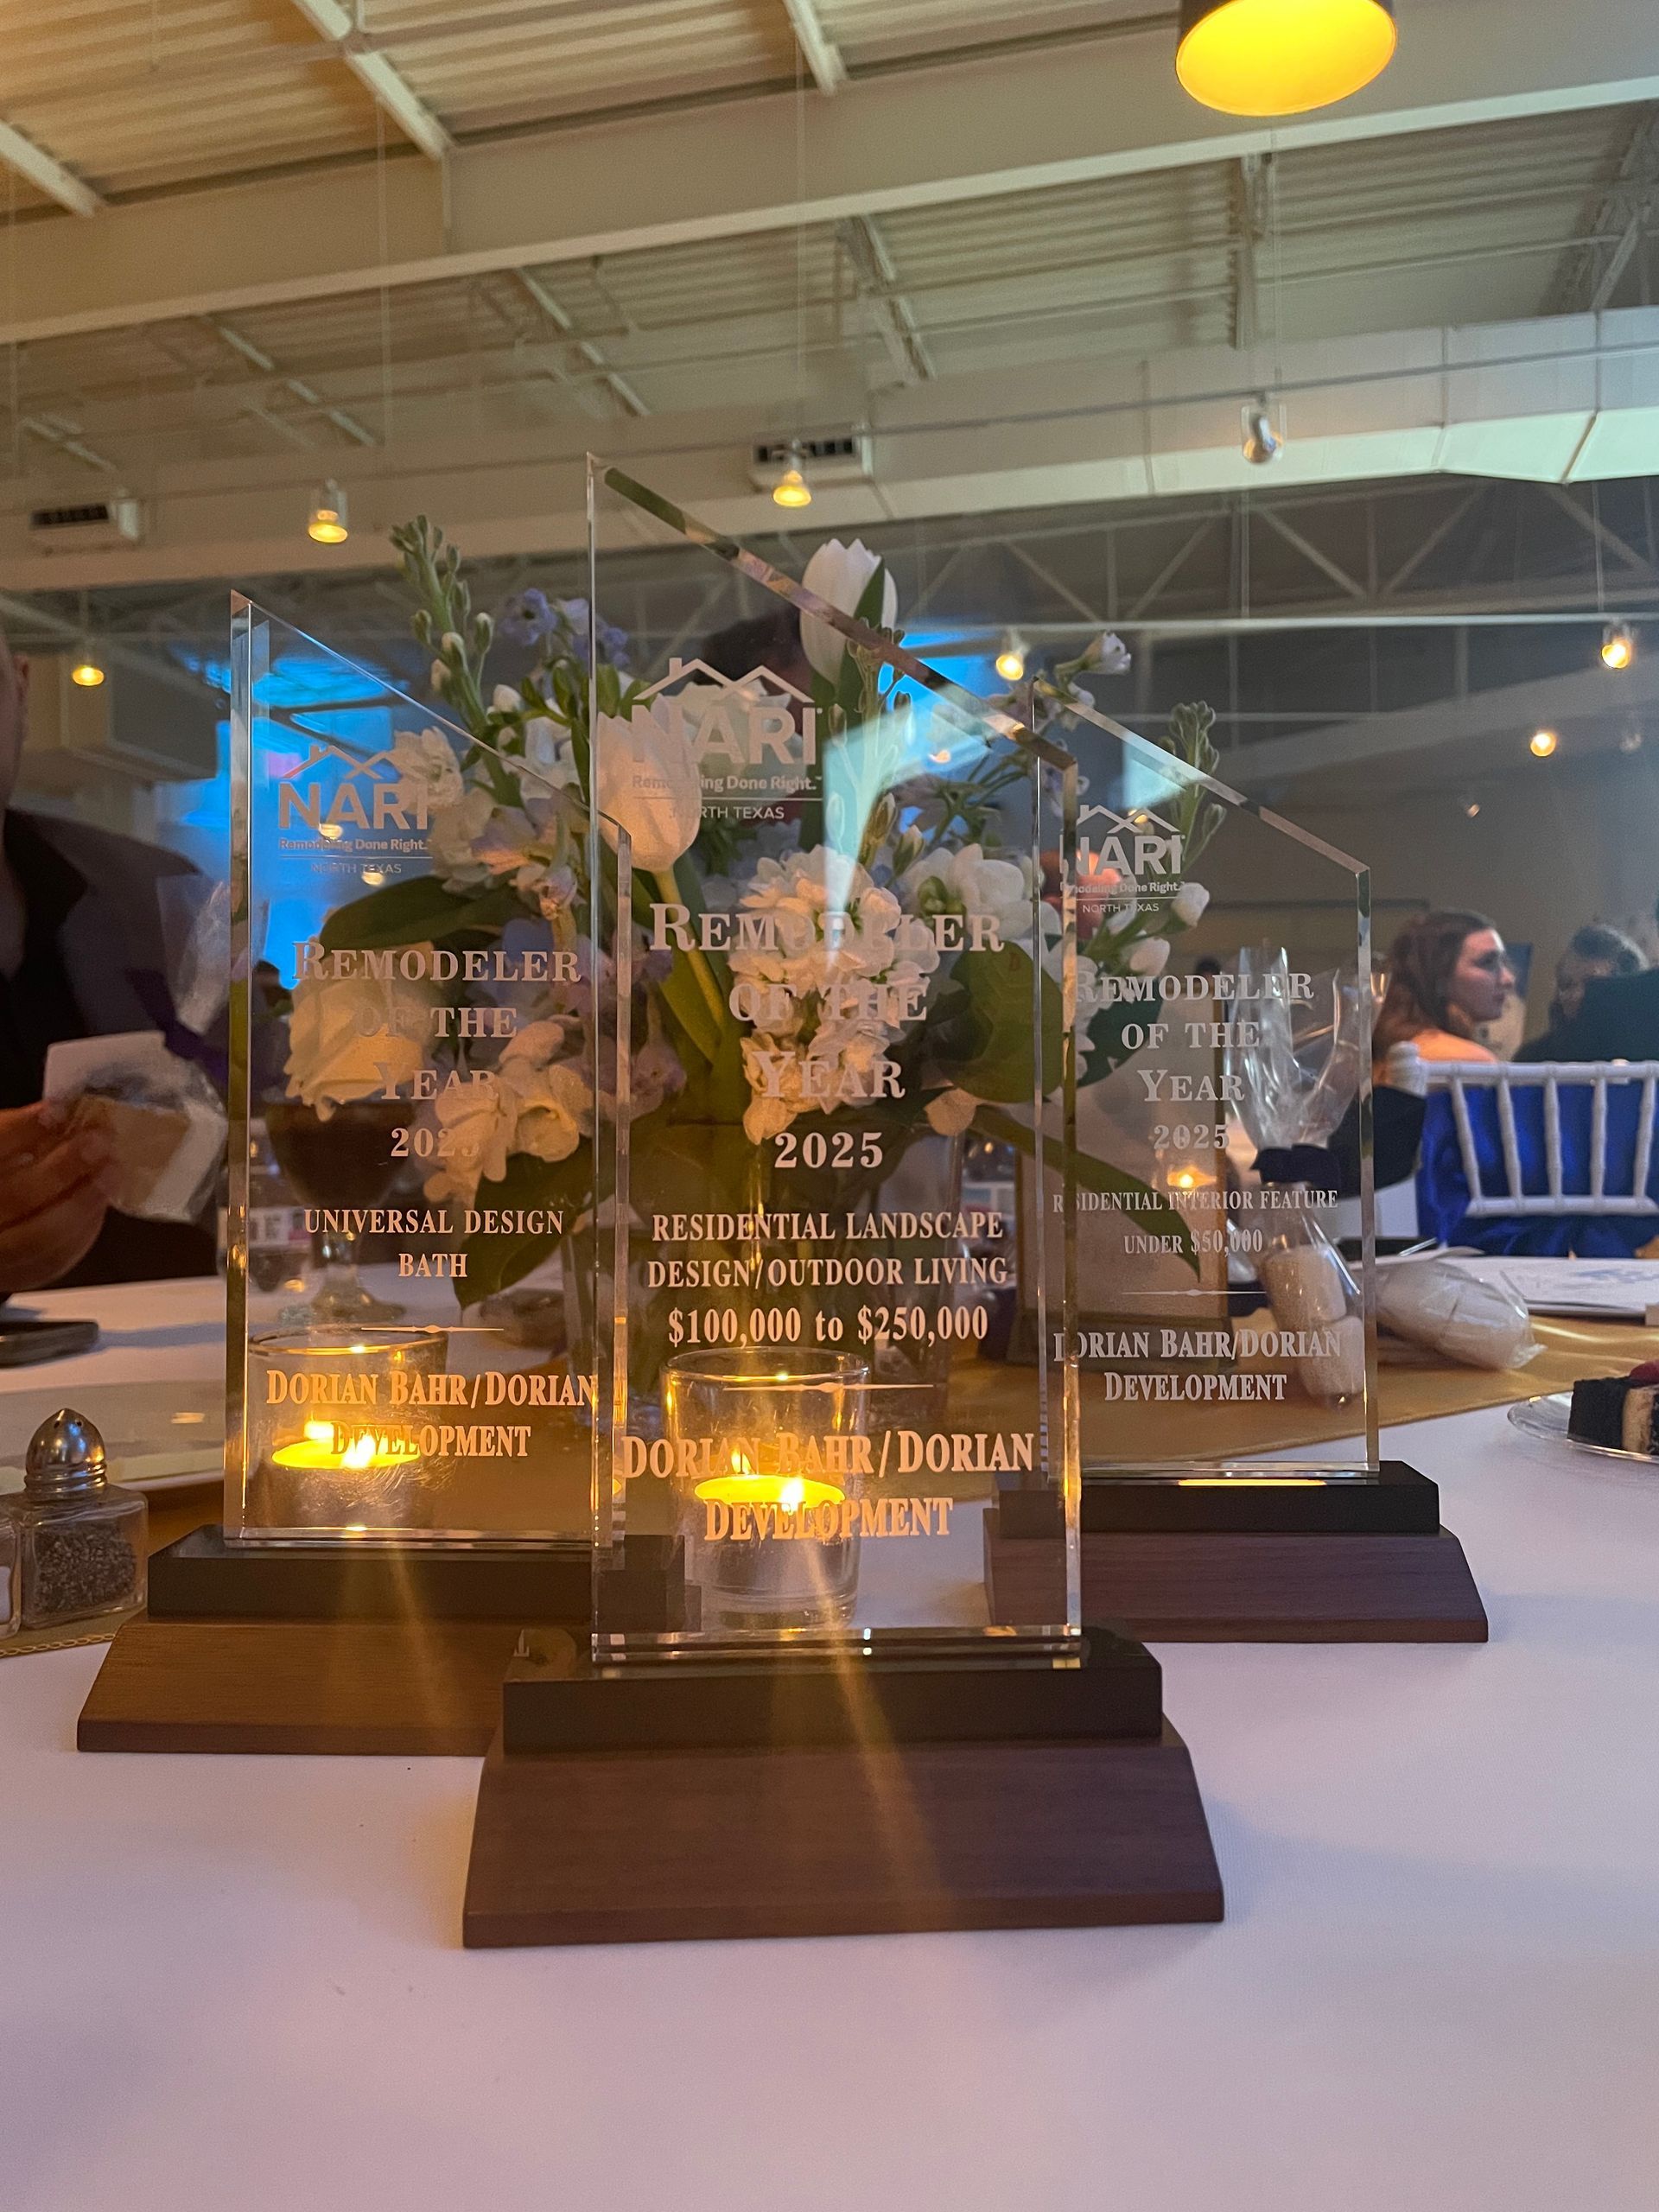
x=236 y=1984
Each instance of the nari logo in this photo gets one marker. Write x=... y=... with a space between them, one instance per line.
x=741 y=723
x=335 y=792
x=1137 y=854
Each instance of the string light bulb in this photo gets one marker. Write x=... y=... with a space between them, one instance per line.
x=1542 y=743
x=1617 y=647
x=1260 y=444
x=86 y=669
x=1282 y=57
x=1011 y=661
x=327 y=524
x=792 y=489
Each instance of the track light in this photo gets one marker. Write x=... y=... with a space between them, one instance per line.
x=1011 y=661
x=1282 y=57
x=792 y=489
x=1261 y=443
x=327 y=524
x=1542 y=743
x=87 y=670
x=1617 y=647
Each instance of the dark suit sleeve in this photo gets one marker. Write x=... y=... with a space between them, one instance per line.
x=1618 y=1020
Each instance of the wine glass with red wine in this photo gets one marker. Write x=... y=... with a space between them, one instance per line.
x=340 y=1164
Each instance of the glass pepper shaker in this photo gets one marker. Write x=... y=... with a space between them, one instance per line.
x=79 y=1538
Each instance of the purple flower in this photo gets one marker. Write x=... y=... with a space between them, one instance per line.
x=526 y=617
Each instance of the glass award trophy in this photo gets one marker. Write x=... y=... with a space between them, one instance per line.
x=836 y=926
x=409 y=1397
x=1226 y=1346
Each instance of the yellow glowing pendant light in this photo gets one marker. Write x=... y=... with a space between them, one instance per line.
x=1282 y=57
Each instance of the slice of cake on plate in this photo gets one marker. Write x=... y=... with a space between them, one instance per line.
x=1618 y=1411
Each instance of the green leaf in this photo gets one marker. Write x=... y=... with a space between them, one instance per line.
x=417 y=910
x=495 y=1263
x=1147 y=1209
x=994 y=1058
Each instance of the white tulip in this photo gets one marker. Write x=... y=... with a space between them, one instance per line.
x=839 y=573
x=646 y=782
x=1150 y=957
x=1189 y=903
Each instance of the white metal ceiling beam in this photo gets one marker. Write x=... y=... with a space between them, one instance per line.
x=928 y=137
x=626 y=398
x=409 y=113
x=818 y=50
x=301 y=388
x=866 y=248
x=1591 y=275
x=47 y=174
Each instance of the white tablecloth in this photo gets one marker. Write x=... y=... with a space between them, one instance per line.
x=236 y=1985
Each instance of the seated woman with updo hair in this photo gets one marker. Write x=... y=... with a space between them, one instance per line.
x=1448 y=973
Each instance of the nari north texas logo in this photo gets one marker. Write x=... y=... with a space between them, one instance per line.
x=1126 y=857
x=734 y=724
x=334 y=792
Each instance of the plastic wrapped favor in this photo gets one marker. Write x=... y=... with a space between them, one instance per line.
x=1477 y=1323
x=1294 y=1073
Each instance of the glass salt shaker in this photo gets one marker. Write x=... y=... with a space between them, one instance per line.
x=79 y=1538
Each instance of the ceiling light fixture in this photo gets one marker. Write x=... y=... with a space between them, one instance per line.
x=792 y=489
x=1617 y=647
x=86 y=669
x=1282 y=57
x=1471 y=808
x=1260 y=444
x=1011 y=661
x=327 y=524
x=1542 y=743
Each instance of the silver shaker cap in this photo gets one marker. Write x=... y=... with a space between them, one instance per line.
x=65 y=1458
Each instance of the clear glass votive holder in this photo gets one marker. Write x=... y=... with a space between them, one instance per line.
x=770 y=1459
x=342 y=1423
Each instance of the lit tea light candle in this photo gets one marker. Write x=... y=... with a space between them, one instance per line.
x=327 y=1448
x=788 y=1492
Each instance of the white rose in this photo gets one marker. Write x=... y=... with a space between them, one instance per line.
x=839 y=573
x=505 y=700
x=428 y=760
x=646 y=782
x=950 y=1111
x=477 y=1121
x=353 y=1036
x=555 y=1107
x=1189 y=903
x=452 y=835
x=1150 y=957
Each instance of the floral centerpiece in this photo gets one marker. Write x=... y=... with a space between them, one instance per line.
x=843 y=969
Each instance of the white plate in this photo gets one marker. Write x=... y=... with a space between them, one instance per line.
x=1545 y=1420
x=159 y=1436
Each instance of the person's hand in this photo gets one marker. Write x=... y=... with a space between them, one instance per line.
x=51 y=1202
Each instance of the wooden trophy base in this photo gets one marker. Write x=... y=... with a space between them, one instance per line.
x=1234 y=1563
x=830 y=1805
x=262 y=1648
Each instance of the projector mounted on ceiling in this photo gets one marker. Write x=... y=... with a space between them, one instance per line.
x=89 y=526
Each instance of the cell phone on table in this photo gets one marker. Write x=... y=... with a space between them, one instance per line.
x=26 y=1343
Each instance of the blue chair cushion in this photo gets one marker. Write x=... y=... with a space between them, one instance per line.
x=1443 y=1191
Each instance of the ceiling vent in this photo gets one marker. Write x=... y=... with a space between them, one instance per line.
x=826 y=463
x=88 y=526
